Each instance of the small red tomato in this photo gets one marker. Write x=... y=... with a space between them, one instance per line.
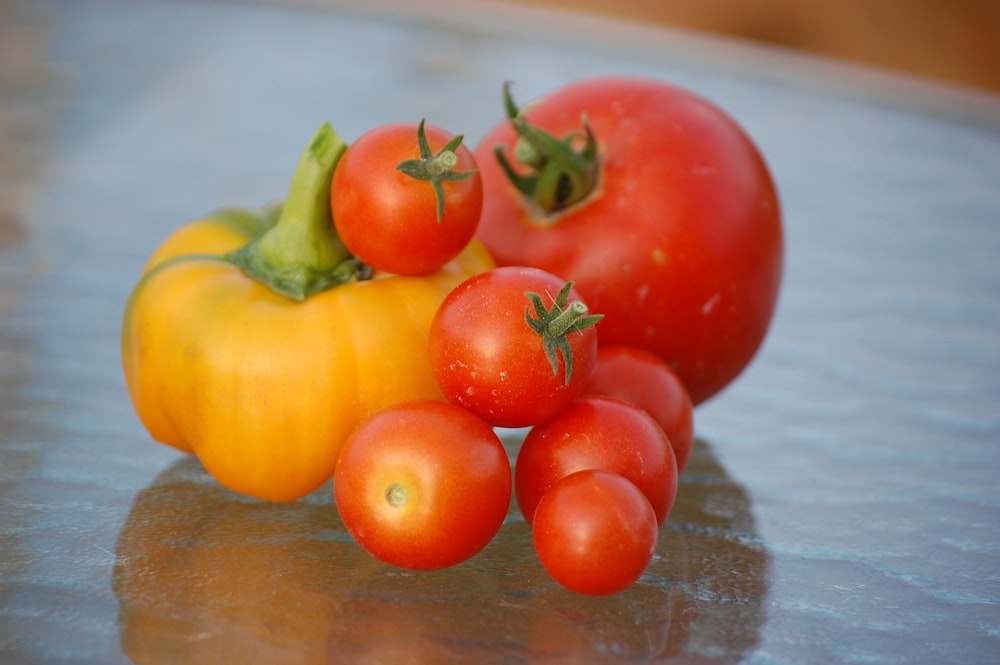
x=513 y=345
x=423 y=484
x=406 y=198
x=597 y=432
x=642 y=378
x=595 y=532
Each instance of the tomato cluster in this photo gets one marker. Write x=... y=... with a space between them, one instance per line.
x=426 y=484
x=634 y=248
x=654 y=206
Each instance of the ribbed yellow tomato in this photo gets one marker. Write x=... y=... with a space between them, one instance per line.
x=263 y=387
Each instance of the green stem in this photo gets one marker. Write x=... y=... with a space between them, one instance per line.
x=559 y=173
x=555 y=324
x=561 y=324
x=435 y=169
x=302 y=255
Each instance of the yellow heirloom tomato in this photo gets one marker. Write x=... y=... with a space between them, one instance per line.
x=258 y=344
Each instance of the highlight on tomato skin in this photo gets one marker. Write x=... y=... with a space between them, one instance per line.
x=423 y=484
x=595 y=532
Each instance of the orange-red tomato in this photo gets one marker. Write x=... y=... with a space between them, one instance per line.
x=399 y=220
x=595 y=532
x=423 y=484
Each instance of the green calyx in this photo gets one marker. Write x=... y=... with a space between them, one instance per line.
x=435 y=169
x=302 y=255
x=560 y=173
x=556 y=324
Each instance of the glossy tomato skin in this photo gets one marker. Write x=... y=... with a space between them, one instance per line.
x=646 y=380
x=387 y=218
x=595 y=532
x=680 y=245
x=423 y=484
x=486 y=358
x=597 y=432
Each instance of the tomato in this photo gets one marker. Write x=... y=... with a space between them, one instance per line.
x=248 y=344
x=423 y=484
x=639 y=377
x=661 y=210
x=595 y=532
x=597 y=432
x=406 y=198
x=513 y=345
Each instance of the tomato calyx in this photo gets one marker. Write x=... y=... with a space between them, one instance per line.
x=302 y=255
x=559 y=172
x=555 y=324
x=435 y=169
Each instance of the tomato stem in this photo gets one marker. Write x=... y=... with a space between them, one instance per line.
x=561 y=324
x=555 y=324
x=302 y=255
x=560 y=173
x=435 y=169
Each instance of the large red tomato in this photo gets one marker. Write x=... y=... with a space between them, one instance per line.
x=659 y=207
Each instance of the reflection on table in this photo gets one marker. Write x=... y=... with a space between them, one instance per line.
x=203 y=573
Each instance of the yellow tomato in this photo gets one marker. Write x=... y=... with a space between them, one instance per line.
x=264 y=388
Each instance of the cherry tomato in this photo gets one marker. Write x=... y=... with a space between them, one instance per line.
x=595 y=532
x=597 y=432
x=423 y=484
x=662 y=210
x=514 y=345
x=639 y=377
x=406 y=198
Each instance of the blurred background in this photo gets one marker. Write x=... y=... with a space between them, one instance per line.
x=956 y=41
x=949 y=41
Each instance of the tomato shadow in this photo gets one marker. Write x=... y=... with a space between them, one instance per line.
x=206 y=576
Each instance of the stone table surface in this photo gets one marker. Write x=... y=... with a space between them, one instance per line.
x=843 y=501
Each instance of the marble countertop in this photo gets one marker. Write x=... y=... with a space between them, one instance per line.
x=842 y=504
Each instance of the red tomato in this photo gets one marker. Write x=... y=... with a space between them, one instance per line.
x=639 y=377
x=423 y=484
x=406 y=198
x=498 y=351
x=595 y=532
x=597 y=432
x=674 y=231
